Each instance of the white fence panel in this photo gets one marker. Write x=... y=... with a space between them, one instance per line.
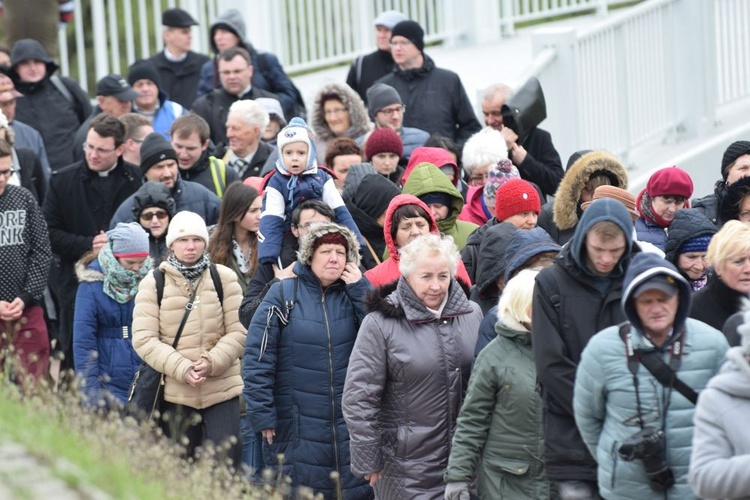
x=732 y=22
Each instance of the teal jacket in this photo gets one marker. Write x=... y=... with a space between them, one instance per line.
x=500 y=424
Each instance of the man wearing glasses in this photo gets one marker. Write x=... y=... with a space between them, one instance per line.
x=81 y=200
x=435 y=98
x=386 y=109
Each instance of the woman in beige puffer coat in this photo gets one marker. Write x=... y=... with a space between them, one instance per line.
x=203 y=372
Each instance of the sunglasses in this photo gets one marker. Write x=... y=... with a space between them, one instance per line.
x=147 y=216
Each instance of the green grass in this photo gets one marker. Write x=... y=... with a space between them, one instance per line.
x=53 y=439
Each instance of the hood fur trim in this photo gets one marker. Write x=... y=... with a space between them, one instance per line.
x=84 y=271
x=360 y=122
x=565 y=209
x=317 y=230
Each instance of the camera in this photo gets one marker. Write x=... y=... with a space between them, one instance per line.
x=648 y=445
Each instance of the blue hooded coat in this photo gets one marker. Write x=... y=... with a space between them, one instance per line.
x=606 y=408
x=294 y=382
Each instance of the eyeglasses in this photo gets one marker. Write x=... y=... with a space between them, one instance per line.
x=100 y=151
x=401 y=43
x=337 y=111
x=7 y=173
x=390 y=111
x=138 y=141
x=148 y=216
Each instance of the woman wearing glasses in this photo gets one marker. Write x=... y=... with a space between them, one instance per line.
x=153 y=208
x=338 y=112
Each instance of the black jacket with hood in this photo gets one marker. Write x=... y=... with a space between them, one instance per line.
x=179 y=80
x=688 y=223
x=491 y=265
x=570 y=305
x=45 y=108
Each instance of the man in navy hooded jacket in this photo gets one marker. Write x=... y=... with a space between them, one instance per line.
x=574 y=299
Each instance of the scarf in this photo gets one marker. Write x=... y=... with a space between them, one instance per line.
x=699 y=283
x=119 y=283
x=648 y=213
x=243 y=263
x=191 y=273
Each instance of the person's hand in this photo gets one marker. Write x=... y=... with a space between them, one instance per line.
x=99 y=241
x=193 y=378
x=351 y=273
x=373 y=477
x=202 y=367
x=11 y=311
x=457 y=491
x=269 y=434
x=283 y=273
x=510 y=137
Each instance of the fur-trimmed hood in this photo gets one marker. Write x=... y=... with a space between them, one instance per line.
x=320 y=229
x=566 y=207
x=389 y=300
x=360 y=123
x=88 y=269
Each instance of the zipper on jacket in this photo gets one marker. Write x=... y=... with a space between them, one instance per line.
x=330 y=379
x=531 y=454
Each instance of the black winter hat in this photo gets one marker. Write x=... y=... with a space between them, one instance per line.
x=177 y=18
x=380 y=95
x=143 y=70
x=154 y=149
x=153 y=194
x=734 y=151
x=411 y=30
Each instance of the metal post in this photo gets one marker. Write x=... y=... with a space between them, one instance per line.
x=99 y=28
x=507 y=21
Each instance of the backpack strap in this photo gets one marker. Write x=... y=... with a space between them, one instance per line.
x=218 y=285
x=283 y=316
x=59 y=84
x=218 y=175
x=358 y=62
x=159 y=278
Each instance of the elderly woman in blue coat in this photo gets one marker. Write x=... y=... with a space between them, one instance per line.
x=103 y=352
x=296 y=358
x=639 y=429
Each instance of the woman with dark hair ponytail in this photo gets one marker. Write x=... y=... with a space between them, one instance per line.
x=234 y=240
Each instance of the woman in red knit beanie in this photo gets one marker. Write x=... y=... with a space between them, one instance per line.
x=667 y=191
x=384 y=150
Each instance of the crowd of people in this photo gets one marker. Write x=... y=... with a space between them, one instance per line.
x=391 y=292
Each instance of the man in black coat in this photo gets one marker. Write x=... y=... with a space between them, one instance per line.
x=81 y=200
x=367 y=69
x=536 y=158
x=235 y=73
x=435 y=98
x=179 y=67
x=53 y=105
x=574 y=299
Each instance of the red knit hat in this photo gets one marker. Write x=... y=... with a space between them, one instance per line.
x=514 y=197
x=384 y=140
x=671 y=181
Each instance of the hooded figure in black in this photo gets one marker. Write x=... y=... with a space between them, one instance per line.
x=690 y=231
x=491 y=265
x=368 y=203
x=573 y=300
x=54 y=114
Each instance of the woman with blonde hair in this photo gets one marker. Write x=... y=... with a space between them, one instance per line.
x=729 y=257
x=499 y=435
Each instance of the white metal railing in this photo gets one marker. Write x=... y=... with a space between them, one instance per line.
x=658 y=70
x=304 y=34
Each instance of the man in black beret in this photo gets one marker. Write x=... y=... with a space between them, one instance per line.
x=178 y=66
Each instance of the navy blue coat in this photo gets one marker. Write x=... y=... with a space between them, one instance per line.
x=294 y=385
x=102 y=340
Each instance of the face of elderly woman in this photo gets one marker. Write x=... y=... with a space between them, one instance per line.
x=430 y=280
x=328 y=262
x=735 y=272
x=188 y=249
x=693 y=264
x=336 y=116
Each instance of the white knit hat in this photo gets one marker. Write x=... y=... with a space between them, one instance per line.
x=186 y=224
x=296 y=131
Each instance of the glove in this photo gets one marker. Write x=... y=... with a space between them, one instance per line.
x=457 y=491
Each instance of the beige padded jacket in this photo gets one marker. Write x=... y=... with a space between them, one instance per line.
x=209 y=332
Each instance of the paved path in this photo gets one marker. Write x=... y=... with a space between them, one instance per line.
x=22 y=476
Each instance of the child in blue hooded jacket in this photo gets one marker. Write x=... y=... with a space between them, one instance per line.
x=297 y=178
